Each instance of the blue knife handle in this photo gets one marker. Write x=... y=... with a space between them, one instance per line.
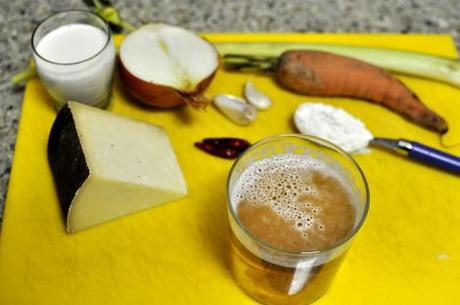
x=434 y=157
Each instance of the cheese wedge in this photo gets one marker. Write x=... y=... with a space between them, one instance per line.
x=106 y=166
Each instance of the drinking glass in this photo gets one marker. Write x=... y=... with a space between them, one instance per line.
x=277 y=276
x=86 y=80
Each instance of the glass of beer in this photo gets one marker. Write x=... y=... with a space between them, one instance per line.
x=295 y=203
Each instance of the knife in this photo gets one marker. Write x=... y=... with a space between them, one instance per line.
x=420 y=152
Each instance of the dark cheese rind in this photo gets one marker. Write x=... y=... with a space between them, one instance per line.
x=66 y=158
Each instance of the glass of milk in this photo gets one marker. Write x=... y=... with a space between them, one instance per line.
x=75 y=55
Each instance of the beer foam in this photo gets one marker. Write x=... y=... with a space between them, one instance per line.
x=279 y=182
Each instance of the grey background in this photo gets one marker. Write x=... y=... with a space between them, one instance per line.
x=18 y=18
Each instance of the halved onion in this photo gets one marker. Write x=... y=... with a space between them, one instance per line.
x=166 y=66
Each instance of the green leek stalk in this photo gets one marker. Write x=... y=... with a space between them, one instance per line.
x=433 y=67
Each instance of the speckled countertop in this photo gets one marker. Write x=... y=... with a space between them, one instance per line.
x=18 y=18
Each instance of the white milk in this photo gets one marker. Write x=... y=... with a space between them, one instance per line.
x=75 y=64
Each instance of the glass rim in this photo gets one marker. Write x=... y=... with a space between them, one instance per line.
x=107 y=27
x=316 y=140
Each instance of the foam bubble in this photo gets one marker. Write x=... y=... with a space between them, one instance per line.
x=280 y=181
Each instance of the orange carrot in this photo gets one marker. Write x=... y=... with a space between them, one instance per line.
x=326 y=74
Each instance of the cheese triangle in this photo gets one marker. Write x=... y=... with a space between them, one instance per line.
x=106 y=166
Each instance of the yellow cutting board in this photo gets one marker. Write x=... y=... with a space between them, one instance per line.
x=408 y=251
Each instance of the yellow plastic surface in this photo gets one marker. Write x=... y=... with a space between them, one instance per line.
x=408 y=251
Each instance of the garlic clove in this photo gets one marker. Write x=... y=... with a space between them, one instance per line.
x=255 y=97
x=236 y=109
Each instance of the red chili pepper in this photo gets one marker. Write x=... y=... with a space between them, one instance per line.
x=236 y=143
x=227 y=153
x=228 y=148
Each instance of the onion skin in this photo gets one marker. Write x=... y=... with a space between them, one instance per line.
x=159 y=95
